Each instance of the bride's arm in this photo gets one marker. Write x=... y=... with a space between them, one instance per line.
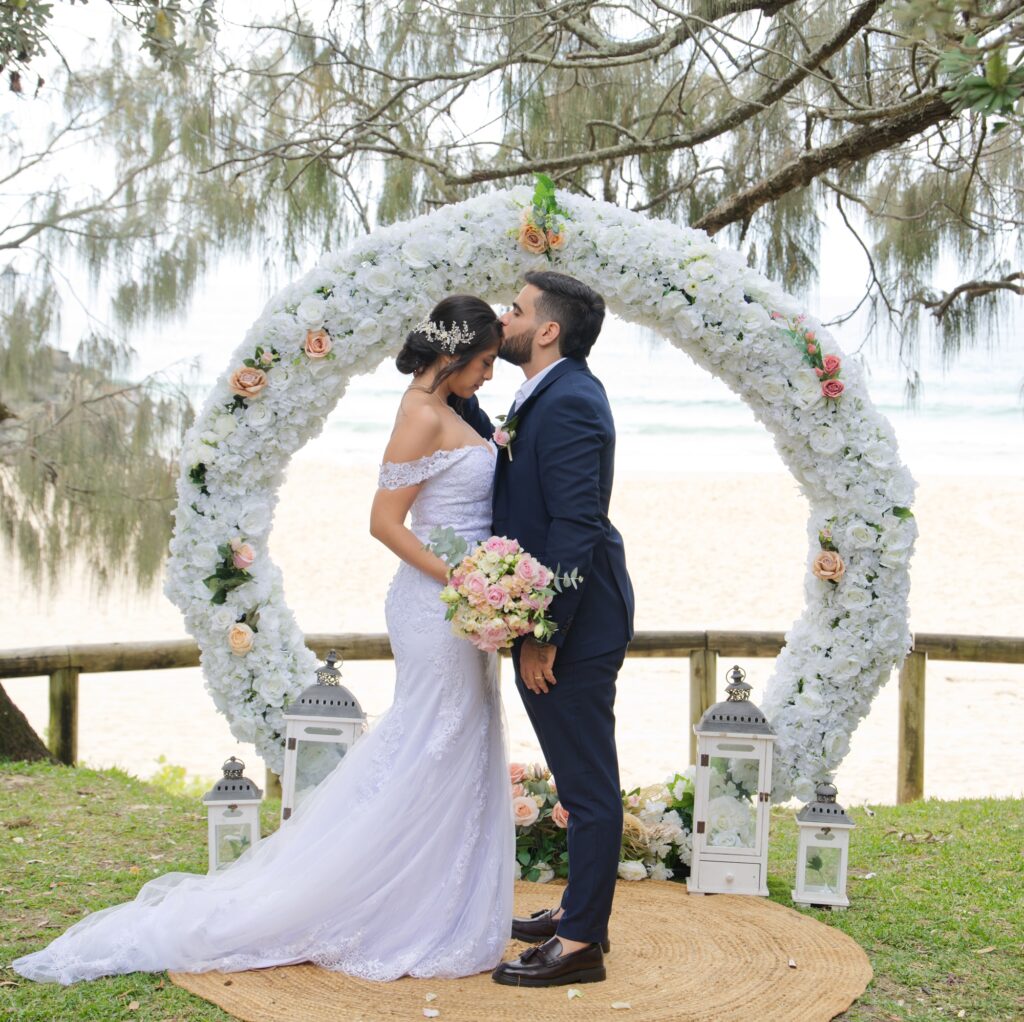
x=417 y=434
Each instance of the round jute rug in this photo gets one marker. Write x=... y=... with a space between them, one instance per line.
x=675 y=958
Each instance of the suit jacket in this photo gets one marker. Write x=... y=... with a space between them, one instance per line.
x=553 y=496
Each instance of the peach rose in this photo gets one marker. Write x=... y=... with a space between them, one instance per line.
x=242 y=555
x=828 y=566
x=240 y=639
x=833 y=388
x=533 y=239
x=524 y=811
x=516 y=772
x=318 y=343
x=560 y=815
x=246 y=382
x=518 y=791
x=556 y=240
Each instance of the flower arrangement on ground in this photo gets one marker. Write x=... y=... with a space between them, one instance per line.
x=656 y=832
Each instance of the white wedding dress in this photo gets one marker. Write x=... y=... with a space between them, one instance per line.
x=401 y=862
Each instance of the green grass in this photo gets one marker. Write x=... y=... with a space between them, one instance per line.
x=942 y=918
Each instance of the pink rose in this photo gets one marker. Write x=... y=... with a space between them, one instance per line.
x=267 y=358
x=832 y=388
x=516 y=772
x=242 y=555
x=831 y=364
x=240 y=638
x=560 y=815
x=819 y=372
x=501 y=437
x=246 y=382
x=493 y=636
x=533 y=602
x=533 y=239
x=809 y=335
x=457 y=579
x=496 y=596
x=528 y=570
x=524 y=811
x=777 y=315
x=495 y=545
x=811 y=349
x=476 y=584
x=828 y=566
x=318 y=343
x=518 y=791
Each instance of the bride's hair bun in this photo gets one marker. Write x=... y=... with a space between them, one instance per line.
x=416 y=354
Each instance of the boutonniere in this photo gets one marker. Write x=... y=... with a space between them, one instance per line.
x=506 y=433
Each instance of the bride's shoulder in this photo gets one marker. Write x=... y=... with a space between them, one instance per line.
x=417 y=430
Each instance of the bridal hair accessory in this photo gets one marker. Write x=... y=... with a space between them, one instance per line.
x=448 y=338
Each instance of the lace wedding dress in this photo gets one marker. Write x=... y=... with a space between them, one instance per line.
x=401 y=861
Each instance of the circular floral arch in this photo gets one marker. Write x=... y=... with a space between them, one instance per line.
x=347 y=315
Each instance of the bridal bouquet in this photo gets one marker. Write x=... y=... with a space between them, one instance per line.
x=497 y=592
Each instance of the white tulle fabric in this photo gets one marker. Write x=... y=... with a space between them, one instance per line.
x=401 y=862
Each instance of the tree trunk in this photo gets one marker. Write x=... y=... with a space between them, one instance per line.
x=17 y=739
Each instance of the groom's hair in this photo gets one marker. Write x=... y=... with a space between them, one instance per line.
x=577 y=309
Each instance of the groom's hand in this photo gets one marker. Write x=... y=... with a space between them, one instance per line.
x=536 y=663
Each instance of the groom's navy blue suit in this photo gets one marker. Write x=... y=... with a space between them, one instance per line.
x=552 y=495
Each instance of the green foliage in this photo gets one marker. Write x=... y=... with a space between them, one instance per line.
x=174 y=779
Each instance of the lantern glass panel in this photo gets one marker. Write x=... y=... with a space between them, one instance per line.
x=232 y=838
x=313 y=762
x=732 y=809
x=821 y=865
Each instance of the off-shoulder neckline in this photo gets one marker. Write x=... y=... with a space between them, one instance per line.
x=490 y=446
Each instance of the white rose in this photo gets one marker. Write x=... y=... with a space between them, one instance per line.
x=726 y=839
x=632 y=870
x=462 y=249
x=368 y=332
x=418 y=251
x=837 y=745
x=310 y=312
x=826 y=439
x=381 y=280
x=773 y=388
x=546 y=873
x=879 y=453
x=807 y=388
x=861 y=535
x=223 y=425
x=854 y=597
x=894 y=558
x=727 y=813
x=205 y=555
x=659 y=871
x=258 y=415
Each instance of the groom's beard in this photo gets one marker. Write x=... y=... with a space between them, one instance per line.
x=516 y=348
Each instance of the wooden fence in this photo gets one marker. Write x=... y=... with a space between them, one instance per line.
x=64 y=664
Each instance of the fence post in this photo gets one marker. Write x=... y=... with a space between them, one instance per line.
x=910 y=763
x=703 y=669
x=62 y=738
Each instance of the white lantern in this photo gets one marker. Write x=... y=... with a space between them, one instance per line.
x=732 y=796
x=823 y=852
x=322 y=725
x=233 y=815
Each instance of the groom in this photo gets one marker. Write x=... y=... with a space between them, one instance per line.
x=552 y=488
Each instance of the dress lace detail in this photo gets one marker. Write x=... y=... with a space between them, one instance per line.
x=401 y=861
x=396 y=474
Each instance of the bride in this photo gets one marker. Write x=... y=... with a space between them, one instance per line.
x=401 y=861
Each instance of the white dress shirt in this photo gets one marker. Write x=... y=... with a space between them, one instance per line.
x=530 y=385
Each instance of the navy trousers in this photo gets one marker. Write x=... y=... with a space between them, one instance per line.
x=575 y=724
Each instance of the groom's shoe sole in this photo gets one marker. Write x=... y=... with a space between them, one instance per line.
x=583 y=976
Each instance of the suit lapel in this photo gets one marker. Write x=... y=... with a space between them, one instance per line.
x=566 y=366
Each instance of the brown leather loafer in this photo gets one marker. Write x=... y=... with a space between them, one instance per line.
x=546 y=966
x=540 y=926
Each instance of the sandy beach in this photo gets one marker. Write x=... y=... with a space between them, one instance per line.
x=705 y=551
